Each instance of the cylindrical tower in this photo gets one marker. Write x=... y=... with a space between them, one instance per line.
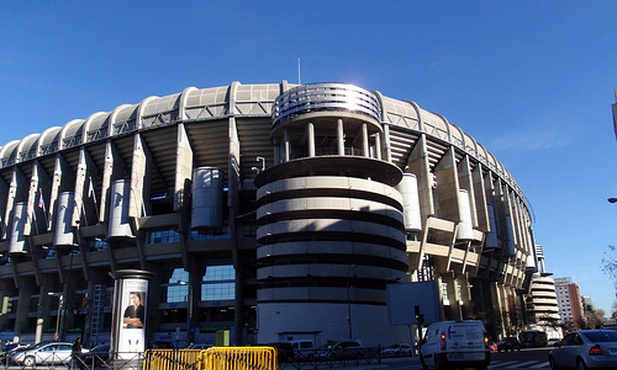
x=63 y=235
x=331 y=229
x=207 y=210
x=119 y=225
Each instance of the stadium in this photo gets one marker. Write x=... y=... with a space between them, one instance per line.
x=265 y=211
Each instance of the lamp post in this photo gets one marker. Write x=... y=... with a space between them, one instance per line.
x=349 y=323
x=58 y=313
x=612 y=200
x=189 y=310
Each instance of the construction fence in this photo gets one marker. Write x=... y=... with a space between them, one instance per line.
x=215 y=358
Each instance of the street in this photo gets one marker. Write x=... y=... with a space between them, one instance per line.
x=530 y=358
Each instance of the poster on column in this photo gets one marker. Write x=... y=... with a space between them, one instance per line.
x=133 y=320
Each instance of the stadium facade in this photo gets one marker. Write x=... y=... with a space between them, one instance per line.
x=275 y=211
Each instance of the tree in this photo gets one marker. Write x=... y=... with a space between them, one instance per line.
x=609 y=264
x=609 y=267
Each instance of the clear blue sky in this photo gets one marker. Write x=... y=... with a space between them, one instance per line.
x=533 y=81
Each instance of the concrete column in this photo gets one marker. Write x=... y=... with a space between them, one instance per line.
x=386 y=141
x=310 y=131
x=287 y=144
x=184 y=167
x=365 y=140
x=378 y=145
x=340 y=137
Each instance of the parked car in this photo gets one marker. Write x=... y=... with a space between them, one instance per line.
x=46 y=354
x=492 y=346
x=303 y=348
x=160 y=344
x=9 y=349
x=397 y=349
x=200 y=346
x=12 y=353
x=96 y=357
x=339 y=350
x=509 y=344
x=284 y=349
x=586 y=349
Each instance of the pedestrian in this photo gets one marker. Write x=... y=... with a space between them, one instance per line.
x=75 y=354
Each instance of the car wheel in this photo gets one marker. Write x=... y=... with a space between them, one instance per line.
x=29 y=361
x=580 y=364
x=551 y=362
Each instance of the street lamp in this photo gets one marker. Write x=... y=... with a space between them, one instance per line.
x=349 y=303
x=58 y=313
x=612 y=200
x=189 y=311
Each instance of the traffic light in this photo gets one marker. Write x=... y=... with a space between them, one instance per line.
x=7 y=304
x=418 y=315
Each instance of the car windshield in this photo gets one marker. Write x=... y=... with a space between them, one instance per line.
x=601 y=336
x=100 y=348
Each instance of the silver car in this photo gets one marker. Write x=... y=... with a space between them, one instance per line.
x=47 y=353
x=586 y=349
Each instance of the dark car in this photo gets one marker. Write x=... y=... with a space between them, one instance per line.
x=509 y=344
x=339 y=350
x=96 y=357
x=160 y=344
x=284 y=349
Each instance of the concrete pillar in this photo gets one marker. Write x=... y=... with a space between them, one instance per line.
x=378 y=146
x=365 y=140
x=340 y=137
x=310 y=131
x=287 y=143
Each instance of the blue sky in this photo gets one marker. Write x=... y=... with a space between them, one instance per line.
x=533 y=81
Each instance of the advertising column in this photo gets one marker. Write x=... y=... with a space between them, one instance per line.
x=128 y=331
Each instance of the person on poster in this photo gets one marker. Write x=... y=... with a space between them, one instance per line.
x=134 y=313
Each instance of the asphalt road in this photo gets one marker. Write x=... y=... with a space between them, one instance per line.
x=530 y=358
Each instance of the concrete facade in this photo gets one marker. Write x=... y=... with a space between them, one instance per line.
x=317 y=196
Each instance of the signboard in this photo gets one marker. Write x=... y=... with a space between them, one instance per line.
x=129 y=313
x=402 y=299
x=133 y=322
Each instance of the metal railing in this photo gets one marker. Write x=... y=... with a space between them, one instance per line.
x=58 y=360
x=318 y=359
x=214 y=358
x=240 y=358
x=325 y=97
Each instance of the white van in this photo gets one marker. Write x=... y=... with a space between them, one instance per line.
x=303 y=347
x=450 y=344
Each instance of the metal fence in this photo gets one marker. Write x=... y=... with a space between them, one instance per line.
x=240 y=358
x=215 y=358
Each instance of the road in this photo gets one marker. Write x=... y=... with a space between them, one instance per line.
x=530 y=358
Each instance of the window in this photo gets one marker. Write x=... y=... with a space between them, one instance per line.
x=162 y=237
x=219 y=283
x=444 y=294
x=177 y=292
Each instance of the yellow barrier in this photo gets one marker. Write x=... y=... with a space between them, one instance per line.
x=169 y=359
x=240 y=358
x=215 y=358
